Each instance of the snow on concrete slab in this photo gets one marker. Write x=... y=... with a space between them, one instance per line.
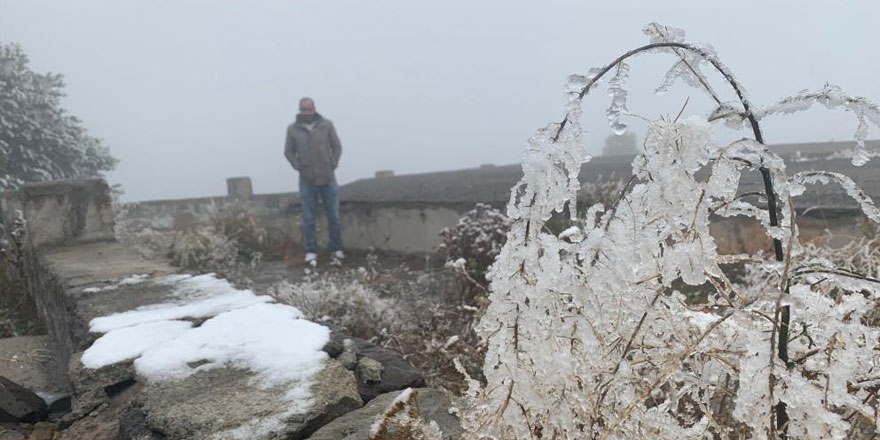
x=128 y=343
x=242 y=331
x=127 y=281
x=268 y=339
x=200 y=296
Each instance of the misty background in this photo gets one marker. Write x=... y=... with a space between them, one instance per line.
x=189 y=93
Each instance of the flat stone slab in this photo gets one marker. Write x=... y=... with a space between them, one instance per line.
x=211 y=361
x=92 y=263
x=208 y=360
x=227 y=404
x=356 y=425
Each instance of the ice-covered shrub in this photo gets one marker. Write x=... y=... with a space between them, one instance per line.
x=588 y=338
x=473 y=243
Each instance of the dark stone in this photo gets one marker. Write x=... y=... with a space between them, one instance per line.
x=116 y=388
x=333 y=348
x=133 y=425
x=58 y=404
x=20 y=405
x=397 y=373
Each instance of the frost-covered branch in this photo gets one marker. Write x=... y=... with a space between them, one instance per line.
x=594 y=333
x=832 y=97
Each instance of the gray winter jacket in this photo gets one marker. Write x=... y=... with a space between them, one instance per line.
x=314 y=153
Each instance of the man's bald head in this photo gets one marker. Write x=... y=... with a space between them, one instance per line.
x=307 y=108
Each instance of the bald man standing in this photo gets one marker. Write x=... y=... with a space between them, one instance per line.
x=313 y=148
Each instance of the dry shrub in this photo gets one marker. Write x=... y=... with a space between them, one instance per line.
x=18 y=313
x=403 y=421
x=231 y=245
x=235 y=221
x=424 y=316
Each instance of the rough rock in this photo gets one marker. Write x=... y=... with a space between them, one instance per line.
x=94 y=387
x=43 y=431
x=433 y=405
x=58 y=403
x=397 y=373
x=18 y=404
x=369 y=370
x=348 y=357
x=333 y=348
x=133 y=425
x=11 y=434
x=30 y=361
x=225 y=402
x=104 y=423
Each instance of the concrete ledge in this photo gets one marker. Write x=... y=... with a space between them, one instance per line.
x=57 y=280
x=64 y=212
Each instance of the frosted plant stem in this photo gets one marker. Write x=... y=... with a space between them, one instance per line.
x=772 y=207
x=661 y=379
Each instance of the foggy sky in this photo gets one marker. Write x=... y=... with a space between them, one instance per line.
x=188 y=93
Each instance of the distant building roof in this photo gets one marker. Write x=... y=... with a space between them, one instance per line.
x=493 y=184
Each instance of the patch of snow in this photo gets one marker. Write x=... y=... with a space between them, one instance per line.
x=127 y=281
x=243 y=331
x=129 y=342
x=269 y=339
x=197 y=297
x=133 y=279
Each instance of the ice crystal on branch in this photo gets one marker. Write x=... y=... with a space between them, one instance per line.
x=594 y=337
x=832 y=97
x=473 y=243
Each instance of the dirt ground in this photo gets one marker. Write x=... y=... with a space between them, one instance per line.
x=294 y=269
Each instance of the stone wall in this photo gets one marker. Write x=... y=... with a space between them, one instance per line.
x=64 y=212
x=413 y=227
x=58 y=213
x=409 y=227
x=741 y=235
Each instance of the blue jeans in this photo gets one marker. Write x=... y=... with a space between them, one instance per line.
x=329 y=195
